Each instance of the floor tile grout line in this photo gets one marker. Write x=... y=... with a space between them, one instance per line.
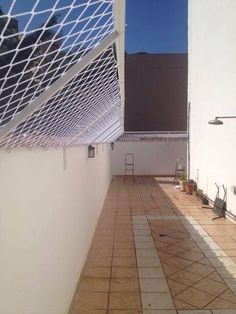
x=144 y=196
x=222 y=265
x=112 y=255
x=212 y=300
x=135 y=252
x=137 y=260
x=179 y=255
x=204 y=253
x=175 y=296
x=207 y=257
x=215 y=297
x=159 y=259
x=192 y=286
x=141 y=302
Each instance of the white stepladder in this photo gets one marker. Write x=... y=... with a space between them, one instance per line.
x=129 y=165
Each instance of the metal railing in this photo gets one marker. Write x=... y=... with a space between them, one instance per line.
x=153 y=136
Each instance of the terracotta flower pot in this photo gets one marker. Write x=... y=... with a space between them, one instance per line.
x=189 y=188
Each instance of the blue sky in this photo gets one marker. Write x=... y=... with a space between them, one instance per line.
x=157 y=26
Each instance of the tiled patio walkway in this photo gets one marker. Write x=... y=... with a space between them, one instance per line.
x=156 y=251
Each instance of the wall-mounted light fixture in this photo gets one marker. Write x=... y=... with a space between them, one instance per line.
x=91 y=151
x=217 y=120
x=112 y=145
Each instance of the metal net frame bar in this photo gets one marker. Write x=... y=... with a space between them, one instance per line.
x=61 y=72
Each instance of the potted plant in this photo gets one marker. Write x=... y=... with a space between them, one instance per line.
x=182 y=181
x=201 y=197
x=190 y=186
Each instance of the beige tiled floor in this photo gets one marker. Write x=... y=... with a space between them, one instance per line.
x=156 y=251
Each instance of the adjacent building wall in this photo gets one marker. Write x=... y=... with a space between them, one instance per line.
x=151 y=158
x=50 y=203
x=156 y=92
x=212 y=92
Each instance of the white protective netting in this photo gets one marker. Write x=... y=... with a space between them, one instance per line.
x=40 y=41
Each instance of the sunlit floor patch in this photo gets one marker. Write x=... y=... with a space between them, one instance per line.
x=156 y=251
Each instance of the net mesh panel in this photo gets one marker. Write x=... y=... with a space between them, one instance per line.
x=40 y=41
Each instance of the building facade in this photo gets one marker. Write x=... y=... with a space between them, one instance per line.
x=156 y=92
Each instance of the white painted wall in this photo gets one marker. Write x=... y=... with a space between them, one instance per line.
x=212 y=92
x=48 y=212
x=151 y=158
